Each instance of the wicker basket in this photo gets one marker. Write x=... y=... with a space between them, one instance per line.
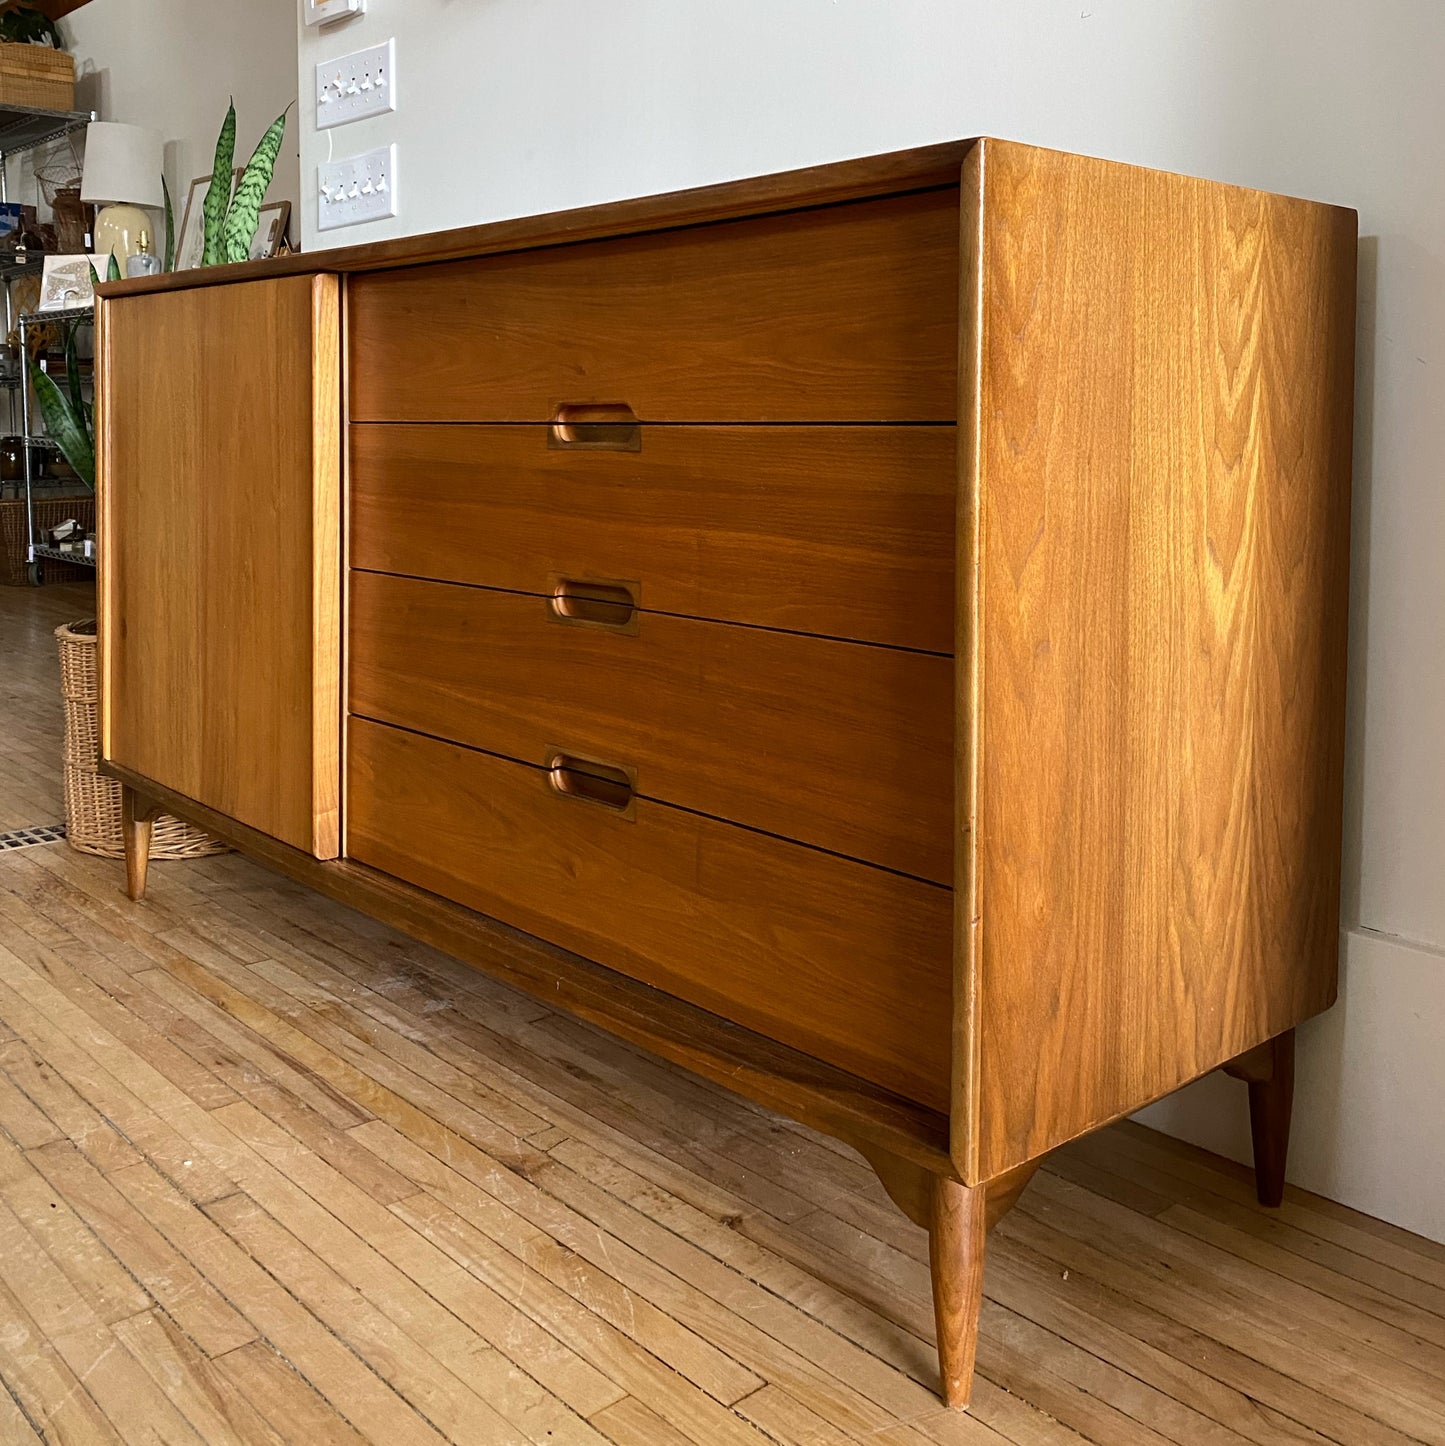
x=50 y=510
x=36 y=75
x=92 y=802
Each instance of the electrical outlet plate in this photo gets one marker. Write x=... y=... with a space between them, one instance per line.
x=357 y=85
x=324 y=12
x=356 y=188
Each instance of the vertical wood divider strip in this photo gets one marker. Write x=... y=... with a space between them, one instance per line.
x=343 y=554
x=326 y=565
x=967 y=922
x=105 y=605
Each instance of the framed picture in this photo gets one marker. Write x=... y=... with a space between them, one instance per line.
x=271 y=229
x=65 y=281
x=191 y=238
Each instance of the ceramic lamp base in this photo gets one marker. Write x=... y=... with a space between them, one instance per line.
x=118 y=231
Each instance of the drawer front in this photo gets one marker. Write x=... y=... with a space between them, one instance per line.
x=843 y=313
x=846 y=532
x=836 y=744
x=849 y=963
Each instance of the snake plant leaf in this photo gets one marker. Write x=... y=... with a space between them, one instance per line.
x=218 y=193
x=245 y=212
x=112 y=270
x=66 y=428
x=170 y=257
x=72 y=370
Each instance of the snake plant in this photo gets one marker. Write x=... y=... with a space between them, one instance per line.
x=69 y=418
x=231 y=220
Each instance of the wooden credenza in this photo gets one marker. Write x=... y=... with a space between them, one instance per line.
x=873 y=635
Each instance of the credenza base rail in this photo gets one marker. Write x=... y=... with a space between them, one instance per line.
x=905 y=1144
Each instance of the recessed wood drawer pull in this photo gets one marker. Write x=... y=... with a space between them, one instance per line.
x=600 y=604
x=595 y=427
x=590 y=782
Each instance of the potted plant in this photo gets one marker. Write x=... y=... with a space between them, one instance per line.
x=69 y=419
x=231 y=218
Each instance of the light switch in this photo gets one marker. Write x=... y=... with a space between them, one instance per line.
x=356 y=188
x=356 y=85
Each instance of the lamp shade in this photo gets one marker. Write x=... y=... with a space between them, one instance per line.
x=122 y=164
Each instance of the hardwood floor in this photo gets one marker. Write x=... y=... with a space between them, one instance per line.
x=30 y=712
x=269 y=1172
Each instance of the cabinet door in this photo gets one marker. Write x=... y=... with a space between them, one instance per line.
x=219 y=438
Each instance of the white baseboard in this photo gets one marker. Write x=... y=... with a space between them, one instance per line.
x=1369 y=1110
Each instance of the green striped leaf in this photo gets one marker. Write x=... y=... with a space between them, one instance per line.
x=72 y=370
x=245 y=212
x=67 y=429
x=218 y=193
x=170 y=256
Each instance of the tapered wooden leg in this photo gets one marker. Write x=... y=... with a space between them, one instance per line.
x=1269 y=1072
x=137 y=815
x=1271 y=1104
x=956 y=1235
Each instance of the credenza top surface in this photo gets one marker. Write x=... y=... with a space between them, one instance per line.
x=831 y=183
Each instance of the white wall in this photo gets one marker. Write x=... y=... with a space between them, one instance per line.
x=171 y=64
x=517 y=106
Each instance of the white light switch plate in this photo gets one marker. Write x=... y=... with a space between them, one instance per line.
x=356 y=188
x=357 y=85
x=323 y=12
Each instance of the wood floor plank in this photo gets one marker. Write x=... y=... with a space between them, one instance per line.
x=569 y=1252
x=357 y=1234
x=1173 y=1167
x=629 y=1423
x=30 y=791
x=337 y=1374
x=85 y=1343
x=1416 y=1307
x=220 y=1414
x=16 y=1428
x=694 y=1413
x=211 y=1320
x=58 y=1032
x=72 y=1117
x=42 y=1384
x=97 y=1275
x=290 y=1408
x=413 y=1370
x=1219 y=1333
x=1392 y=1375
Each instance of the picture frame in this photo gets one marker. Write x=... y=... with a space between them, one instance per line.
x=270 y=230
x=65 y=281
x=191 y=238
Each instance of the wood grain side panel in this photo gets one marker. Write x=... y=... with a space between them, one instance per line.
x=220 y=631
x=1166 y=382
x=845 y=962
x=845 y=313
x=840 y=531
x=842 y=746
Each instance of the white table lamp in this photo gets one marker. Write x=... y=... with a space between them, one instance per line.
x=122 y=174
